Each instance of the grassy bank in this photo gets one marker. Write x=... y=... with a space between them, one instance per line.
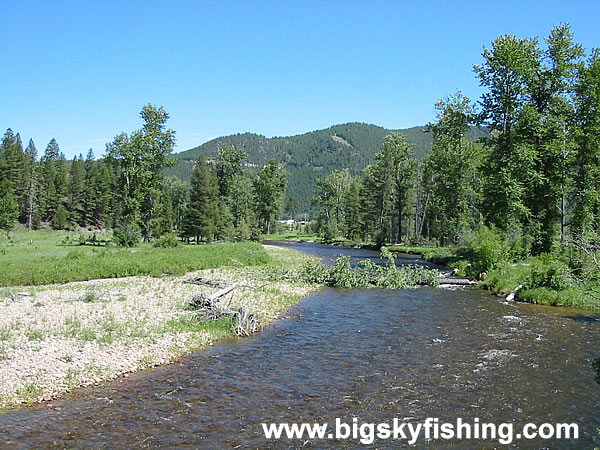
x=534 y=274
x=54 y=338
x=38 y=258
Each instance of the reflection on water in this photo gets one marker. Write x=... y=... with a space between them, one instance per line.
x=372 y=354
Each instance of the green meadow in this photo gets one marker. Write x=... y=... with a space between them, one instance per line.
x=46 y=257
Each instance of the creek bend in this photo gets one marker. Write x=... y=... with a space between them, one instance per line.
x=373 y=354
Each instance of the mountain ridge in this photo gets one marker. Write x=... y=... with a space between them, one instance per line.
x=310 y=155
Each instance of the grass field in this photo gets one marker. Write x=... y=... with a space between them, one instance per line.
x=46 y=257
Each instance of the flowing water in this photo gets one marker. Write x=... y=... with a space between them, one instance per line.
x=371 y=354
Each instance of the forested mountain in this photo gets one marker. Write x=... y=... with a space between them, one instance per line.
x=311 y=155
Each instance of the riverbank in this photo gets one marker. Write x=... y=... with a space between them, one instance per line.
x=533 y=280
x=55 y=338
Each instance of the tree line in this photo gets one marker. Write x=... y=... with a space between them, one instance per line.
x=535 y=179
x=128 y=192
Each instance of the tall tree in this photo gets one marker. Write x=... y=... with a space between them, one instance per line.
x=269 y=188
x=76 y=191
x=330 y=198
x=201 y=214
x=139 y=160
x=14 y=167
x=47 y=181
x=453 y=164
x=544 y=124
x=9 y=208
x=586 y=217
x=508 y=67
x=32 y=180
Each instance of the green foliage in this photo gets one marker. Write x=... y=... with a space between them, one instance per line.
x=138 y=161
x=166 y=241
x=90 y=296
x=486 y=249
x=368 y=274
x=449 y=174
x=309 y=156
x=127 y=237
x=269 y=188
x=548 y=271
x=9 y=209
x=202 y=214
x=60 y=220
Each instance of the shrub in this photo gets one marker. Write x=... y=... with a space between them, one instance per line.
x=368 y=274
x=549 y=272
x=486 y=250
x=314 y=272
x=166 y=241
x=126 y=237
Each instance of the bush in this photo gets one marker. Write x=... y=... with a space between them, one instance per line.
x=486 y=250
x=368 y=274
x=166 y=241
x=549 y=272
x=314 y=272
x=126 y=237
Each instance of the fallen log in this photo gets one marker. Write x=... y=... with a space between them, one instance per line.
x=513 y=295
x=246 y=323
x=205 y=282
x=210 y=301
x=457 y=281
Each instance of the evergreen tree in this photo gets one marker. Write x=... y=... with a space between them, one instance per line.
x=32 y=179
x=201 y=214
x=77 y=191
x=9 y=208
x=60 y=220
x=13 y=167
x=48 y=194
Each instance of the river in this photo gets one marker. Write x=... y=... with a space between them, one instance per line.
x=371 y=354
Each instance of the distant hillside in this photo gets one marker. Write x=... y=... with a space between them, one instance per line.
x=311 y=155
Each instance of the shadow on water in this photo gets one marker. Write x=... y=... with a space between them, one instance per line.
x=371 y=354
x=588 y=318
x=596 y=366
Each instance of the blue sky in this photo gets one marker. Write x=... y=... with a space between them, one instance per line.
x=81 y=71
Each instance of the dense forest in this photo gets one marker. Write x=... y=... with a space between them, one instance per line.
x=311 y=155
x=128 y=192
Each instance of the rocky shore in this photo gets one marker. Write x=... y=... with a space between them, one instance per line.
x=59 y=337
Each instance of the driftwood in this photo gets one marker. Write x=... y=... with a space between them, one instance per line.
x=205 y=282
x=513 y=295
x=457 y=281
x=246 y=323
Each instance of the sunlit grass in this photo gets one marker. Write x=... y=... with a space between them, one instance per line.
x=39 y=258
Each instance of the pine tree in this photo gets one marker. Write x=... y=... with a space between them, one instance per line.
x=48 y=195
x=13 y=167
x=201 y=215
x=76 y=191
x=9 y=208
x=32 y=175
